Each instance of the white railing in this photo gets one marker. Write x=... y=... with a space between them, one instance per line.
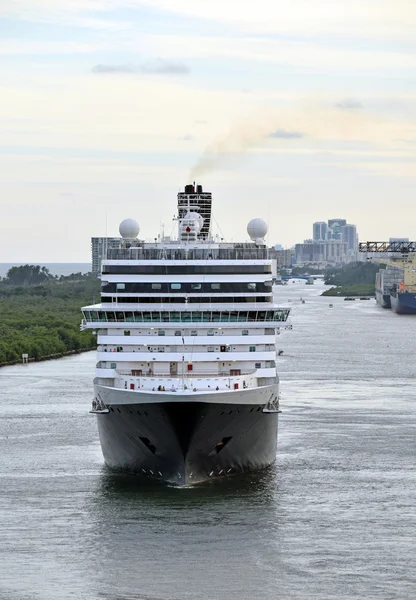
x=187 y=374
x=197 y=382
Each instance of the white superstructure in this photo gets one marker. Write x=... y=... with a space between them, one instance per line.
x=186 y=315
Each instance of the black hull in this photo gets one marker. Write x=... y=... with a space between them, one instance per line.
x=186 y=443
x=383 y=300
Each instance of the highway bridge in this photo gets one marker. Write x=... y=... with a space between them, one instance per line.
x=306 y=277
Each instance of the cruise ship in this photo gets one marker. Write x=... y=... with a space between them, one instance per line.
x=186 y=388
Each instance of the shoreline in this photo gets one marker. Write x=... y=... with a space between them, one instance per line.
x=47 y=357
x=350 y=290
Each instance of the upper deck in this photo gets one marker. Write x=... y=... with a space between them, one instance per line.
x=187 y=252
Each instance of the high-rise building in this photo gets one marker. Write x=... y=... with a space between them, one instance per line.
x=349 y=235
x=336 y=252
x=310 y=252
x=341 y=222
x=332 y=251
x=99 y=246
x=319 y=231
x=335 y=229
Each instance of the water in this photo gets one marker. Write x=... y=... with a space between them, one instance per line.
x=333 y=519
x=55 y=268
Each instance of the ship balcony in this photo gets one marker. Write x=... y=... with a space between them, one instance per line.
x=194 y=382
x=189 y=381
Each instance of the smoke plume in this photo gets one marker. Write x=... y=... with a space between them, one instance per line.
x=241 y=137
x=312 y=121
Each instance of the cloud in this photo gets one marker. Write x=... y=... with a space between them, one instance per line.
x=284 y=134
x=349 y=104
x=158 y=67
x=371 y=19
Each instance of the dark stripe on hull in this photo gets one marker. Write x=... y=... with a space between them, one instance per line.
x=404 y=303
x=185 y=443
x=383 y=300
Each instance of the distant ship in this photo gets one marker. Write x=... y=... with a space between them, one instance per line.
x=385 y=281
x=399 y=282
x=403 y=302
x=186 y=388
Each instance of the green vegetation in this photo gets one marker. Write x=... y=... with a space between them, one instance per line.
x=41 y=317
x=361 y=289
x=354 y=279
x=353 y=274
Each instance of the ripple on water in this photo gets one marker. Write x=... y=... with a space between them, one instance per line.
x=333 y=519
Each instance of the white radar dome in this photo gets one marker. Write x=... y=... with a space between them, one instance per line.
x=257 y=229
x=129 y=229
x=194 y=216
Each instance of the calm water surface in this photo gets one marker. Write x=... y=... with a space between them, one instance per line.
x=335 y=518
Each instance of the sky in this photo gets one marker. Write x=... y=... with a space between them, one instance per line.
x=293 y=111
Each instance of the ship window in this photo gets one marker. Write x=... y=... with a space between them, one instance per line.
x=211 y=349
x=257 y=365
x=215 y=286
x=196 y=286
x=175 y=286
x=121 y=286
x=252 y=286
x=178 y=333
x=194 y=332
x=156 y=286
x=160 y=332
x=113 y=366
x=161 y=349
x=211 y=332
x=245 y=332
x=252 y=348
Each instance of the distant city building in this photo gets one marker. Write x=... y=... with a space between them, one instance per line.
x=283 y=258
x=336 y=252
x=349 y=235
x=320 y=229
x=310 y=252
x=334 y=242
x=99 y=246
x=340 y=222
x=321 y=252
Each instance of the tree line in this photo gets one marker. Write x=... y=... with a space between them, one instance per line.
x=40 y=313
x=353 y=274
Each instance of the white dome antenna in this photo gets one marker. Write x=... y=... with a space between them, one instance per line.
x=257 y=230
x=129 y=229
x=196 y=217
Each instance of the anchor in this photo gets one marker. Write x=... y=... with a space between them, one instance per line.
x=98 y=407
x=272 y=405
